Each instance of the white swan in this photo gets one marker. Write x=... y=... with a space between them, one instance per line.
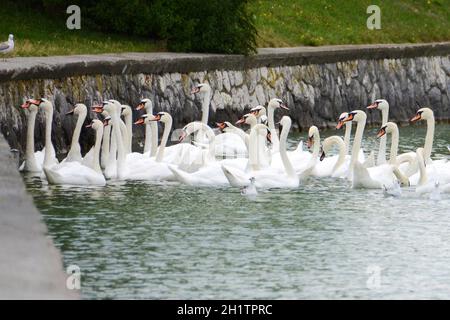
x=153 y=169
x=33 y=160
x=73 y=172
x=151 y=129
x=370 y=178
x=274 y=104
x=270 y=177
x=335 y=166
x=383 y=106
x=74 y=153
x=205 y=89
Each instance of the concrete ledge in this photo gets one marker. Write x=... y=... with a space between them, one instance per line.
x=30 y=265
x=157 y=63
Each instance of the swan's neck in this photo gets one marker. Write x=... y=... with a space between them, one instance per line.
x=423 y=178
x=165 y=137
x=154 y=138
x=273 y=131
x=381 y=158
x=120 y=145
x=348 y=133
x=30 y=160
x=316 y=147
x=75 y=144
x=253 y=150
x=129 y=127
x=341 y=157
x=394 y=147
x=357 y=142
x=98 y=142
x=244 y=136
x=105 y=145
x=148 y=130
x=205 y=107
x=49 y=152
x=283 y=153
x=429 y=140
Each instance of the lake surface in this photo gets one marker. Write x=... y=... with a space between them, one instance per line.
x=322 y=240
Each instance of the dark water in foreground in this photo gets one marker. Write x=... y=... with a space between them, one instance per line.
x=323 y=240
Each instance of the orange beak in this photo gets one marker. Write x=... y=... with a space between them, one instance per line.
x=25 y=105
x=241 y=120
x=155 y=118
x=283 y=106
x=416 y=118
x=220 y=125
x=182 y=136
x=381 y=133
x=88 y=126
x=140 y=121
x=373 y=106
x=70 y=112
x=348 y=118
x=340 y=124
x=195 y=90
x=97 y=108
x=140 y=106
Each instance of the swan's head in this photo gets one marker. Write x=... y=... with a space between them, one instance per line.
x=142 y=119
x=126 y=110
x=224 y=126
x=80 y=108
x=31 y=104
x=106 y=121
x=144 y=103
x=423 y=114
x=10 y=37
x=42 y=103
x=96 y=124
x=356 y=115
x=328 y=144
x=341 y=120
x=201 y=87
x=258 y=111
x=379 y=104
x=107 y=106
x=389 y=127
x=276 y=103
x=248 y=118
x=312 y=133
x=162 y=116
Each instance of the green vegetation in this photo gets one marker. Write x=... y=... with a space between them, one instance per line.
x=108 y=26
x=320 y=22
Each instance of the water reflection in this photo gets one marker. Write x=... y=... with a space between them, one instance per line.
x=145 y=240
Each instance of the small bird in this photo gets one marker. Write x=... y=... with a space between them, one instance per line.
x=392 y=191
x=250 y=190
x=7 y=46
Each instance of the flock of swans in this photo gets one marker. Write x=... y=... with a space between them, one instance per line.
x=262 y=160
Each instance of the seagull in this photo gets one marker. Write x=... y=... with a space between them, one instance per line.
x=250 y=190
x=392 y=191
x=7 y=46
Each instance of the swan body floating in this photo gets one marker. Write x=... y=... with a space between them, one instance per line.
x=75 y=173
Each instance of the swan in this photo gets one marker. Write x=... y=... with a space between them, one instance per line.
x=104 y=159
x=362 y=177
x=205 y=89
x=431 y=184
x=153 y=169
x=270 y=177
x=370 y=161
x=127 y=114
x=75 y=173
x=231 y=142
x=151 y=128
x=228 y=127
x=274 y=104
x=335 y=166
x=33 y=160
x=74 y=153
x=383 y=106
x=117 y=162
x=261 y=114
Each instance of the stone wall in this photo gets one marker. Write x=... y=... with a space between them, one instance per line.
x=317 y=83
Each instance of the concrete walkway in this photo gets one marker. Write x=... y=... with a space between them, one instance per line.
x=30 y=265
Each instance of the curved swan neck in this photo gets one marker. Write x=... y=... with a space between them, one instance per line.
x=165 y=137
x=422 y=170
x=381 y=158
x=283 y=153
x=316 y=147
x=429 y=140
x=149 y=138
x=254 y=145
x=205 y=106
x=98 y=143
x=129 y=126
x=341 y=156
x=30 y=160
x=48 y=137
x=154 y=138
x=75 y=149
x=348 y=133
x=358 y=139
x=273 y=131
x=394 y=146
x=119 y=142
x=105 y=145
